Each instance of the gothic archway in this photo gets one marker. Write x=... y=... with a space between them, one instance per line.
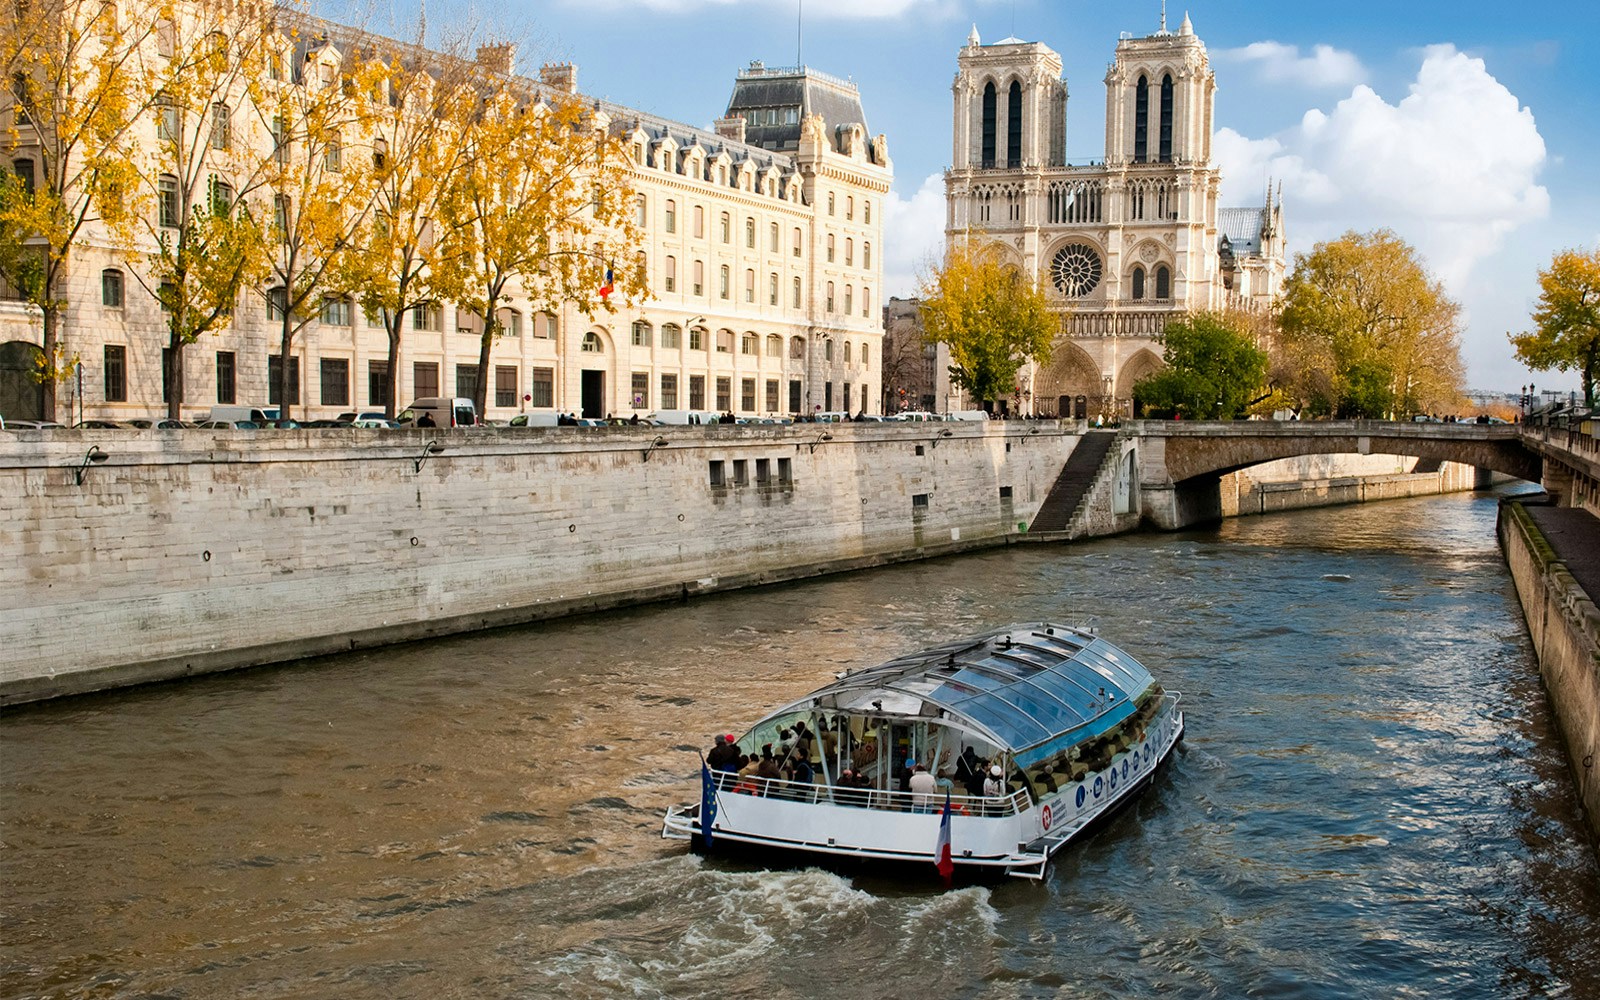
x=1142 y=365
x=1071 y=373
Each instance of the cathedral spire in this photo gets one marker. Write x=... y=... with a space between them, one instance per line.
x=972 y=39
x=1163 y=17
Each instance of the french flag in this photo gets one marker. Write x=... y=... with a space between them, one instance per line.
x=941 y=850
x=607 y=288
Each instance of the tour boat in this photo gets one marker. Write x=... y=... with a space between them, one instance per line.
x=1073 y=725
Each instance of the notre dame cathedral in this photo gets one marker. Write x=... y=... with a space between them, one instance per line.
x=1125 y=244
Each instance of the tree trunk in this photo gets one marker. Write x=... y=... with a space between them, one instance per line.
x=480 y=395
x=391 y=404
x=174 y=370
x=47 y=388
x=284 y=382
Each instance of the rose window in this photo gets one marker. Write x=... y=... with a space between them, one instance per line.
x=1075 y=270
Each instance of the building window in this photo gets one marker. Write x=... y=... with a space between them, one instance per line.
x=221 y=126
x=786 y=467
x=378 y=383
x=427 y=316
x=847 y=397
x=1014 y=126
x=670 y=275
x=672 y=216
x=111 y=288
x=749 y=286
x=797 y=241
x=866 y=256
x=772 y=238
x=849 y=208
x=774 y=346
x=847 y=352
x=671 y=336
x=849 y=299
x=543 y=388
x=849 y=252
x=1163 y=283
x=724 y=392
x=727 y=229
x=544 y=326
x=335 y=380
x=277 y=303
x=866 y=211
x=699 y=278
x=797 y=348
x=169 y=121
x=274 y=371
x=772 y=395
x=697 y=338
x=763 y=472
x=864 y=349
x=591 y=344
x=1138 y=283
x=866 y=302
x=990 y=102
x=641 y=333
x=830 y=248
x=380 y=153
x=1141 y=120
x=750 y=344
x=697 y=392
x=641 y=390
x=699 y=222
x=226 y=392
x=795 y=293
x=424 y=379
x=794 y=402
x=717 y=471
x=830 y=202
x=167 y=199
x=116 y=373
x=724 y=341
x=510 y=322
x=221 y=196
x=1166 y=119
x=750 y=233
x=827 y=351
x=669 y=392
x=505 y=385
x=829 y=299
x=467 y=381
x=333 y=156
x=642 y=211
x=747 y=395
x=335 y=311
x=772 y=289
x=722 y=281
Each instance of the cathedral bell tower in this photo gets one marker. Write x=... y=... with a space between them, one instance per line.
x=1010 y=106
x=1160 y=93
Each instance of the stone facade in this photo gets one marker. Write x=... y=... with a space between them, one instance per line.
x=1123 y=244
x=764 y=264
x=916 y=373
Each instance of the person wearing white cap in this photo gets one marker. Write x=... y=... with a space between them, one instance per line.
x=993 y=787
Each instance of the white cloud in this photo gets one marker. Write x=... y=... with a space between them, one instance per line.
x=1452 y=167
x=821 y=9
x=1326 y=66
x=913 y=232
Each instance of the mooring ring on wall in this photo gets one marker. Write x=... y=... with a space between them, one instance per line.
x=414 y=541
x=680 y=517
x=205 y=556
x=571 y=528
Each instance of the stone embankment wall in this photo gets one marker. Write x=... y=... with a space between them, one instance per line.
x=1565 y=626
x=1327 y=480
x=191 y=552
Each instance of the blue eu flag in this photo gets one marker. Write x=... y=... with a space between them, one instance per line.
x=708 y=802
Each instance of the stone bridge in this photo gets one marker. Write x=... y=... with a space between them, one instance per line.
x=1181 y=463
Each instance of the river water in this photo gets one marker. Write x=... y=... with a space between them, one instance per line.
x=1371 y=800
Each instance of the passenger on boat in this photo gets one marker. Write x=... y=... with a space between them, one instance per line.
x=749 y=765
x=923 y=787
x=724 y=756
x=994 y=786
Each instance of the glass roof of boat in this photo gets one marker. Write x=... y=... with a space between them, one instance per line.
x=1021 y=685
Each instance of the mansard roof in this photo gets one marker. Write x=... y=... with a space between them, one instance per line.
x=1242 y=227
x=799 y=89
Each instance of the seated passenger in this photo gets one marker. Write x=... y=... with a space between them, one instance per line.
x=922 y=786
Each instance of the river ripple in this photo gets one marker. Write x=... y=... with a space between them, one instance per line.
x=1371 y=800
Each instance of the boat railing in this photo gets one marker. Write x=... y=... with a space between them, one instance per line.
x=869 y=798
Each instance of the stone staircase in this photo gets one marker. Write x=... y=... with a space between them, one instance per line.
x=1072 y=486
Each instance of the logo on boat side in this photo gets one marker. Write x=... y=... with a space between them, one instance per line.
x=1044 y=817
x=1097 y=785
x=1124 y=767
x=1113 y=774
x=1080 y=796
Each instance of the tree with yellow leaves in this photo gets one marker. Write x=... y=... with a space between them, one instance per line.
x=1566 y=333
x=993 y=319
x=69 y=127
x=544 y=200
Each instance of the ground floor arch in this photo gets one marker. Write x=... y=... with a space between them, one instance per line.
x=21 y=393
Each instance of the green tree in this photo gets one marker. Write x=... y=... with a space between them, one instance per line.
x=993 y=319
x=73 y=99
x=1369 y=333
x=544 y=201
x=1566 y=333
x=1214 y=369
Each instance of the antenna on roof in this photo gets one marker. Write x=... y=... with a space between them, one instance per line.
x=1163 y=17
x=799 y=25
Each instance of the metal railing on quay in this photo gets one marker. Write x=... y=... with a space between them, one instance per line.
x=869 y=798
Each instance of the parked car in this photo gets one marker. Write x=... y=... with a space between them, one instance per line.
x=220 y=425
x=28 y=425
x=539 y=419
x=100 y=425
x=160 y=424
x=443 y=411
x=326 y=424
x=355 y=417
x=258 y=414
x=380 y=421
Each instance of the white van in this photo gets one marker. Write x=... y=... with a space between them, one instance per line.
x=445 y=411
x=686 y=416
x=257 y=414
x=968 y=415
x=538 y=418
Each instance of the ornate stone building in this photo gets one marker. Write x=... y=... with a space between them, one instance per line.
x=762 y=242
x=1125 y=243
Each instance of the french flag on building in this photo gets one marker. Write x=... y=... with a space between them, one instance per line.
x=941 y=850
x=607 y=288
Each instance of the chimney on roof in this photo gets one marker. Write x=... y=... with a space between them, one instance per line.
x=731 y=127
x=559 y=76
x=498 y=58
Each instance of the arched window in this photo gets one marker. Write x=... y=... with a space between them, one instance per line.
x=1141 y=120
x=671 y=336
x=1163 y=283
x=866 y=304
x=221 y=126
x=849 y=252
x=722 y=282
x=1014 y=126
x=864 y=349
x=750 y=233
x=797 y=241
x=849 y=207
x=544 y=326
x=986 y=156
x=772 y=289
x=847 y=352
x=866 y=210
x=749 y=285
x=699 y=286
x=672 y=216
x=772 y=238
x=1166 y=118
x=827 y=349
x=669 y=277
x=697 y=338
x=726 y=228
x=510 y=321
x=167 y=199
x=830 y=297
x=866 y=256
x=830 y=248
x=23 y=168
x=797 y=348
x=830 y=202
x=642 y=211
x=111 y=288
x=641 y=333
x=591 y=343
x=849 y=299
x=724 y=341
x=749 y=343
x=699 y=221
x=1138 y=283
x=795 y=296
x=774 y=346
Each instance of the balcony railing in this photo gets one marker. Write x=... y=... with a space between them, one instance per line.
x=728 y=782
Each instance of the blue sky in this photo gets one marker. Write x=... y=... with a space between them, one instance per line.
x=1468 y=127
